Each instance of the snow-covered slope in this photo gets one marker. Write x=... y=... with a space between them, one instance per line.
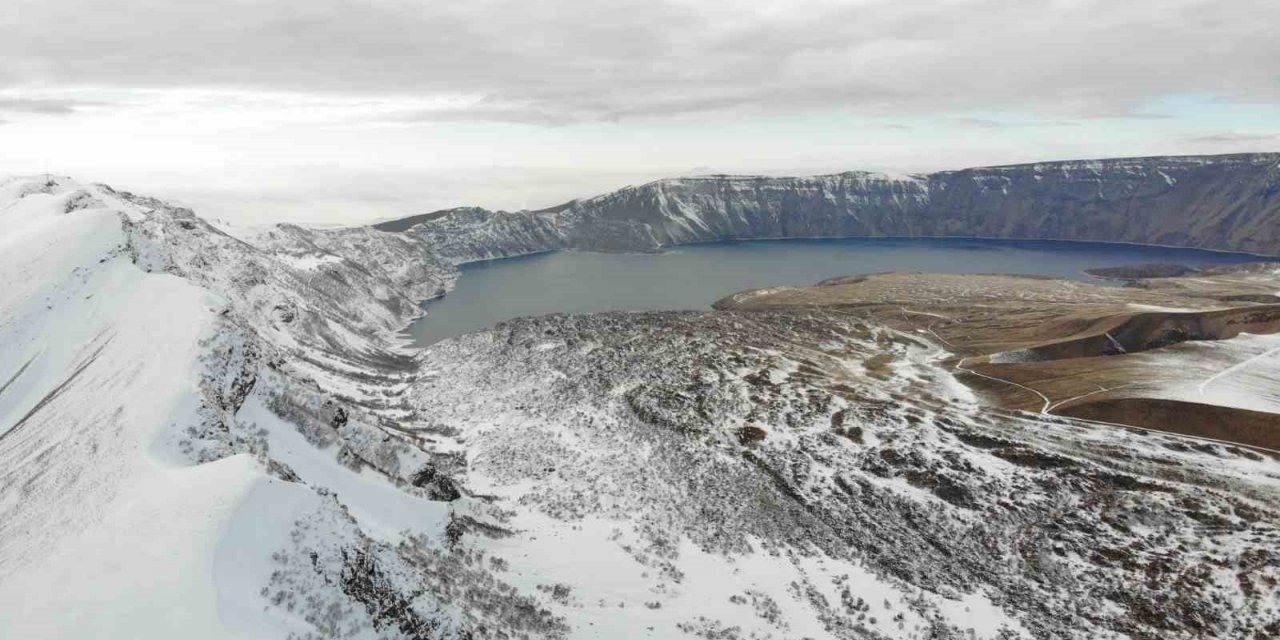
x=214 y=432
x=131 y=334
x=816 y=475
x=104 y=531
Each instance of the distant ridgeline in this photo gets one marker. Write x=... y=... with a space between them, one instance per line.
x=1227 y=202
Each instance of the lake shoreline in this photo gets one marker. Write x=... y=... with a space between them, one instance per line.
x=570 y=279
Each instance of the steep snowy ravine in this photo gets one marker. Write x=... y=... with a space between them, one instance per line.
x=217 y=433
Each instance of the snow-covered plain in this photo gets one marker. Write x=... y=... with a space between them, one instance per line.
x=217 y=433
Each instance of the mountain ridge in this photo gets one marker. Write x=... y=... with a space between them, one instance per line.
x=1225 y=202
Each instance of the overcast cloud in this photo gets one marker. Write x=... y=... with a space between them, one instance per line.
x=974 y=66
x=562 y=60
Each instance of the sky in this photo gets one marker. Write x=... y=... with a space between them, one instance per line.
x=349 y=111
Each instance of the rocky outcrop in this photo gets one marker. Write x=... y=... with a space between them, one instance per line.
x=1143 y=271
x=1227 y=202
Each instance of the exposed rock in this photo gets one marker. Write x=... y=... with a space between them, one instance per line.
x=1140 y=271
x=1225 y=202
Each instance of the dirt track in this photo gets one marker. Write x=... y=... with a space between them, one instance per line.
x=1120 y=355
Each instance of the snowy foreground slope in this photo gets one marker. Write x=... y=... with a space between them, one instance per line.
x=216 y=433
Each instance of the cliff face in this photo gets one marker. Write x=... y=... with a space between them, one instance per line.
x=1217 y=202
x=1226 y=202
x=725 y=207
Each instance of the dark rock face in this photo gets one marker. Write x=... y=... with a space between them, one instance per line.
x=727 y=207
x=365 y=583
x=1214 y=202
x=469 y=234
x=1141 y=271
x=1224 y=202
x=438 y=485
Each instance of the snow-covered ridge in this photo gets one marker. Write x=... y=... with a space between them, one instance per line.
x=746 y=181
x=1210 y=202
x=136 y=344
x=1141 y=163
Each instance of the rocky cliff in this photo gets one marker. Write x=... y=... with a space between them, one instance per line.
x=1227 y=202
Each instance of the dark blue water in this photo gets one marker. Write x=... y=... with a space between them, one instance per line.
x=694 y=276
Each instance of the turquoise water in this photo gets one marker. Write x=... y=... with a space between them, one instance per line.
x=694 y=276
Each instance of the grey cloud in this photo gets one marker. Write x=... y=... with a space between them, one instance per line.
x=980 y=123
x=1230 y=137
x=485 y=113
x=985 y=123
x=1144 y=116
x=565 y=61
x=42 y=106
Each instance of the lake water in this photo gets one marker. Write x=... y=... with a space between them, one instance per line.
x=694 y=276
